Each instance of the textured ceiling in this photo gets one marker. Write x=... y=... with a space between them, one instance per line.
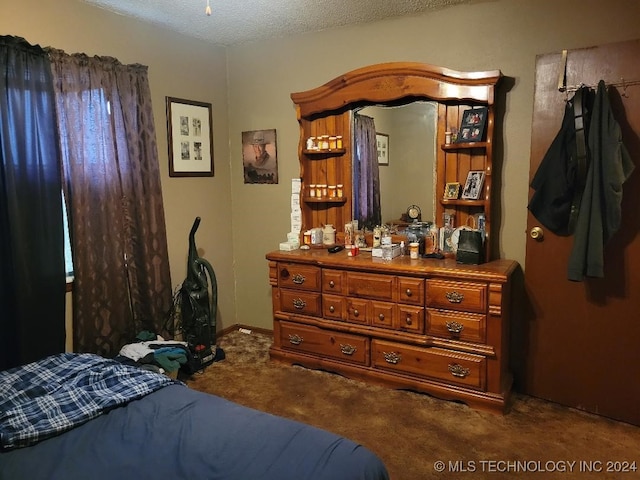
x=239 y=21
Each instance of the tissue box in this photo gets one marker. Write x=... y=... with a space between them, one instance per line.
x=396 y=251
x=289 y=246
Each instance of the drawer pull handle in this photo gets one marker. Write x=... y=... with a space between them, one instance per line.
x=332 y=309
x=381 y=317
x=295 y=339
x=458 y=370
x=455 y=327
x=299 y=304
x=454 y=297
x=332 y=284
x=408 y=320
x=392 y=357
x=409 y=292
x=348 y=349
x=356 y=313
x=298 y=279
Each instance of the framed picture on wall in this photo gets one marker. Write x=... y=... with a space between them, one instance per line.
x=260 y=156
x=472 y=125
x=382 y=144
x=190 y=138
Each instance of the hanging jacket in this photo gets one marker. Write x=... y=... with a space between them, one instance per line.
x=557 y=182
x=600 y=213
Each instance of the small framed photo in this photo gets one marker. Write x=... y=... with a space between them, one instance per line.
x=472 y=125
x=382 y=144
x=190 y=135
x=452 y=191
x=473 y=186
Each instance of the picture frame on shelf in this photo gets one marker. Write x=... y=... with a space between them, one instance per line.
x=190 y=137
x=472 y=125
x=473 y=186
x=452 y=191
x=382 y=145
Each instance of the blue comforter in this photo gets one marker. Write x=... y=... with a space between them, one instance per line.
x=178 y=433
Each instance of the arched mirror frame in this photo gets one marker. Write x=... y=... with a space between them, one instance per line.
x=327 y=110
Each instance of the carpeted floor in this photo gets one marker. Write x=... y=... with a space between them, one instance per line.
x=412 y=432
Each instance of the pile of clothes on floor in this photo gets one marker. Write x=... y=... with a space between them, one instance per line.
x=152 y=352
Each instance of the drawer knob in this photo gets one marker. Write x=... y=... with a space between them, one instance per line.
x=454 y=297
x=295 y=339
x=298 y=279
x=332 y=284
x=408 y=320
x=348 y=349
x=392 y=357
x=356 y=313
x=381 y=317
x=409 y=292
x=458 y=370
x=299 y=303
x=454 y=327
x=332 y=309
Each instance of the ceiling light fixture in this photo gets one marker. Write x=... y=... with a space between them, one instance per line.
x=208 y=9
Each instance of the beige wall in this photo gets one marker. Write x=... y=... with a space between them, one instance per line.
x=249 y=86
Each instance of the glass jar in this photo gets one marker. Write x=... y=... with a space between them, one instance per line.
x=332 y=191
x=332 y=143
x=312 y=190
x=339 y=191
x=339 y=141
x=325 y=142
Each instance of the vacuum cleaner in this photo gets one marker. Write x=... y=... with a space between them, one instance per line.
x=197 y=299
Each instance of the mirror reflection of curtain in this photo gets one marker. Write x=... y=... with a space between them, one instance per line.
x=110 y=165
x=366 y=174
x=32 y=267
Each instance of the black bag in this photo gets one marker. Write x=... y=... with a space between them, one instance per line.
x=470 y=247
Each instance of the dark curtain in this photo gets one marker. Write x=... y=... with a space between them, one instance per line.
x=112 y=181
x=32 y=267
x=366 y=173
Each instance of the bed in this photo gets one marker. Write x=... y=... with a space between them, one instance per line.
x=77 y=416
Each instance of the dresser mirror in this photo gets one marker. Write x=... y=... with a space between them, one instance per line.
x=447 y=94
x=409 y=175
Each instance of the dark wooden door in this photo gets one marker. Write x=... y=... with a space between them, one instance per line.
x=582 y=345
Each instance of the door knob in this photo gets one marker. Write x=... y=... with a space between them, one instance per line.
x=536 y=233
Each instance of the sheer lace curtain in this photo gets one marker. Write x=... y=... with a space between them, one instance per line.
x=32 y=268
x=366 y=173
x=112 y=184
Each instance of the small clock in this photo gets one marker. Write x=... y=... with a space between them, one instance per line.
x=414 y=213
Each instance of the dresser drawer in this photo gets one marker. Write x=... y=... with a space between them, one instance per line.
x=358 y=311
x=325 y=343
x=411 y=290
x=300 y=302
x=301 y=277
x=436 y=363
x=466 y=296
x=470 y=327
x=381 y=314
x=410 y=319
x=334 y=307
x=369 y=285
x=332 y=281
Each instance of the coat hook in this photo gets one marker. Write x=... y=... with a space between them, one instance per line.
x=624 y=88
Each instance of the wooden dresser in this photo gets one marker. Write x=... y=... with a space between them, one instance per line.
x=428 y=325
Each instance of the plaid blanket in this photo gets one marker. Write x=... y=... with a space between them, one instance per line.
x=53 y=395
